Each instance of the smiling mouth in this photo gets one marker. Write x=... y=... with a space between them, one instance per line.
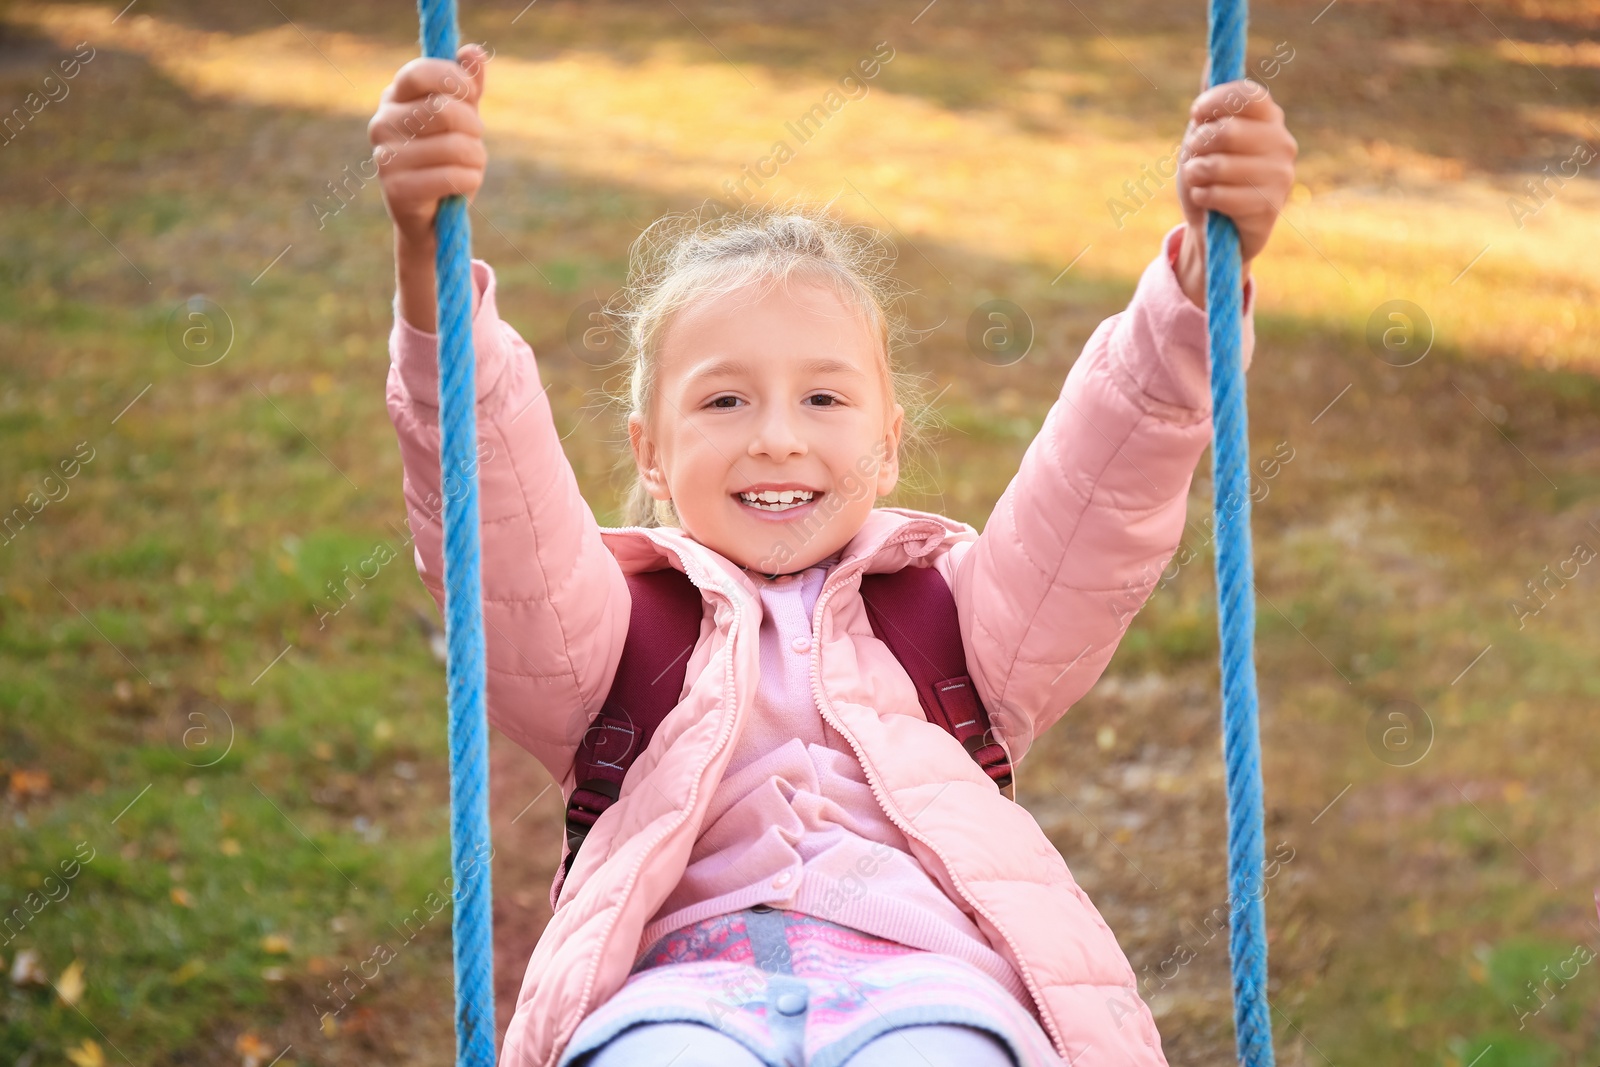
x=786 y=500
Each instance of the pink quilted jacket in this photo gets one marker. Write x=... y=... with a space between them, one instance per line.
x=1044 y=595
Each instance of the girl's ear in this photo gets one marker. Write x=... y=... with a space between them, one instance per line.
x=648 y=458
x=889 y=469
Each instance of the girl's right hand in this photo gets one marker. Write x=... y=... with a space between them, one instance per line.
x=428 y=139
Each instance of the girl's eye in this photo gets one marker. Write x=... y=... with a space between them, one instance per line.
x=718 y=402
x=833 y=401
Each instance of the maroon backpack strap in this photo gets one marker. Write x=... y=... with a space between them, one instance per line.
x=913 y=612
x=663 y=627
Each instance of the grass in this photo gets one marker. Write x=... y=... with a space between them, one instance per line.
x=261 y=780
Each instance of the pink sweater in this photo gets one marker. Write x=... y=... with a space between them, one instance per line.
x=793 y=822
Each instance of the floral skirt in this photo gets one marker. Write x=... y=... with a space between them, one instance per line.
x=797 y=990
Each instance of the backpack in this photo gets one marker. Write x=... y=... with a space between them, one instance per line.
x=911 y=610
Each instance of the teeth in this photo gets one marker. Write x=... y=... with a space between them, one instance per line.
x=774 y=500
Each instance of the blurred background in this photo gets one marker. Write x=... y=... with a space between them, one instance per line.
x=221 y=699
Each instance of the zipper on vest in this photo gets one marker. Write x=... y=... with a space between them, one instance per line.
x=730 y=690
x=826 y=709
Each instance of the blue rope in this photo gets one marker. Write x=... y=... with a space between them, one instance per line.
x=472 y=923
x=1236 y=611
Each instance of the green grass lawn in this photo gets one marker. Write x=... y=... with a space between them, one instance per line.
x=223 y=835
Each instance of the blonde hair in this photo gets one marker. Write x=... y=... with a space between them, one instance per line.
x=681 y=259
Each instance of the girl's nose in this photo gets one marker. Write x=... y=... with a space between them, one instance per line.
x=777 y=436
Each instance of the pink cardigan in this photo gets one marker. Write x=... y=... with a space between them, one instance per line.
x=1074 y=545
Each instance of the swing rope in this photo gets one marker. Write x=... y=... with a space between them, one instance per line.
x=472 y=920
x=1236 y=607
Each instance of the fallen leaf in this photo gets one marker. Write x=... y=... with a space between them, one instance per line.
x=181 y=896
x=27 y=970
x=87 y=1054
x=361 y=1020
x=229 y=847
x=69 y=987
x=188 y=971
x=251 y=1049
x=275 y=944
x=249 y=1044
x=274 y=974
x=25 y=784
x=330 y=1024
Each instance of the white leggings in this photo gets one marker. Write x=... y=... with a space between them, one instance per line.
x=698 y=1045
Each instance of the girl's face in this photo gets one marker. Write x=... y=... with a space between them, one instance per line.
x=779 y=393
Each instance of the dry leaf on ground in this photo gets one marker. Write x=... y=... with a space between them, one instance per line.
x=69 y=987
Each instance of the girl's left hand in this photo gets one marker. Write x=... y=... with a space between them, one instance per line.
x=1238 y=159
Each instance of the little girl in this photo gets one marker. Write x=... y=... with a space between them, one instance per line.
x=801 y=868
